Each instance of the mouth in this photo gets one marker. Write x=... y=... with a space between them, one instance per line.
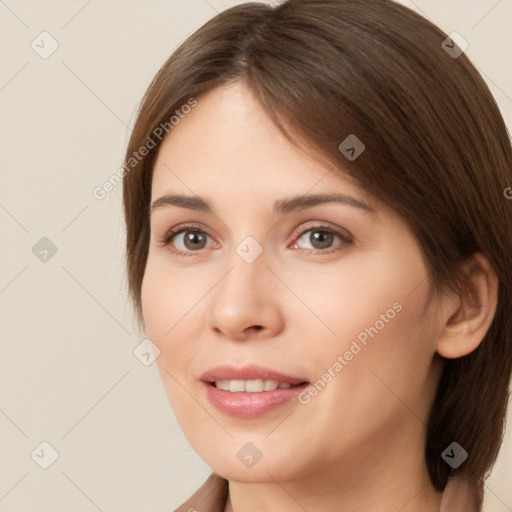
x=251 y=379
x=253 y=385
x=251 y=391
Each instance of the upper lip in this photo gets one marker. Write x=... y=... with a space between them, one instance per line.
x=251 y=372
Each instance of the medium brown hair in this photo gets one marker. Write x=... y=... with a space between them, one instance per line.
x=436 y=150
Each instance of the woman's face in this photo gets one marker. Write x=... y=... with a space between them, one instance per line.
x=267 y=287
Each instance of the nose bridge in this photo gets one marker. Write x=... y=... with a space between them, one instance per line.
x=243 y=298
x=248 y=256
x=248 y=266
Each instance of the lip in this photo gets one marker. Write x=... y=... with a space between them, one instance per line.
x=251 y=372
x=245 y=404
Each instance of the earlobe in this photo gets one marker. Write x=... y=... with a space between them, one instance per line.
x=468 y=317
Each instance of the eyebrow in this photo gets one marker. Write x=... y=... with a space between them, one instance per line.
x=286 y=205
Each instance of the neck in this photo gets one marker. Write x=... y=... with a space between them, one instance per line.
x=393 y=479
x=323 y=495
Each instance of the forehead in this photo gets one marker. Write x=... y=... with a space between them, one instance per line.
x=229 y=145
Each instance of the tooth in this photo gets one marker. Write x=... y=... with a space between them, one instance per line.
x=251 y=386
x=222 y=384
x=236 y=385
x=270 y=385
x=254 y=386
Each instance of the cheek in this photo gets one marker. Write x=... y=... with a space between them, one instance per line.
x=365 y=295
x=154 y=298
x=373 y=376
x=387 y=348
x=166 y=296
x=173 y=305
x=167 y=311
x=374 y=317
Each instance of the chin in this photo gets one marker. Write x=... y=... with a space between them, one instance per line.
x=263 y=471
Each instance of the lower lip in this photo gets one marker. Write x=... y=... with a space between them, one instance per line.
x=250 y=405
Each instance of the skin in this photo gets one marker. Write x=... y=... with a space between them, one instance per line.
x=359 y=444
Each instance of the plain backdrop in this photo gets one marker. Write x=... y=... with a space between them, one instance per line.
x=68 y=375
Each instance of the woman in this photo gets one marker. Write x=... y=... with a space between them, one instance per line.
x=319 y=244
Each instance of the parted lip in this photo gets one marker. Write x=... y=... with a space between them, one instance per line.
x=250 y=372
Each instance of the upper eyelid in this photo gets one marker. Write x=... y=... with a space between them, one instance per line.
x=322 y=225
x=343 y=233
x=200 y=227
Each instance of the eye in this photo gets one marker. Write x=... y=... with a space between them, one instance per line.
x=186 y=239
x=321 y=237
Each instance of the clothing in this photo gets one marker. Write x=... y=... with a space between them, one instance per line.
x=213 y=494
x=210 y=497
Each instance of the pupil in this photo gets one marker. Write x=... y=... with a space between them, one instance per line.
x=322 y=238
x=192 y=239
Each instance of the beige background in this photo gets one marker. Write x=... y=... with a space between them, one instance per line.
x=68 y=375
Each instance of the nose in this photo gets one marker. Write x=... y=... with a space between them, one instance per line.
x=245 y=303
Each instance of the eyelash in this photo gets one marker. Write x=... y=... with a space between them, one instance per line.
x=345 y=237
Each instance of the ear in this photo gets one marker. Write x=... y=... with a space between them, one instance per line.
x=467 y=318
